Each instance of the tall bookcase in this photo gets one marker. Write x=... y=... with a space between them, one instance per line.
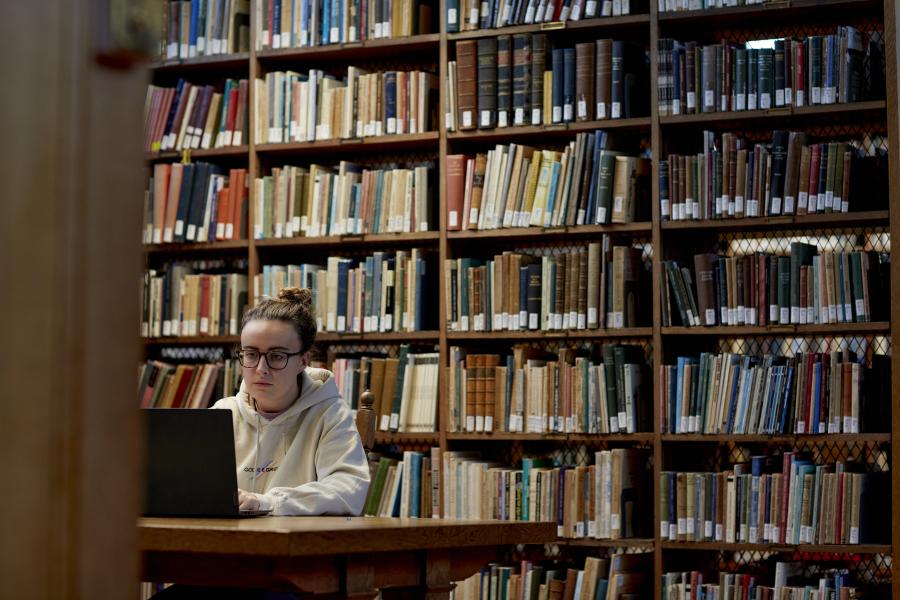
x=662 y=238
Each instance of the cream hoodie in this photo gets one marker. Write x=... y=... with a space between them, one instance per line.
x=308 y=460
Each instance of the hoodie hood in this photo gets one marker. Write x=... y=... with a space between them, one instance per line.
x=316 y=386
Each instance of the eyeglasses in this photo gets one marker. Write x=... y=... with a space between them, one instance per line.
x=275 y=359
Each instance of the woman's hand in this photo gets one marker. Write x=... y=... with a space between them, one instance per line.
x=253 y=501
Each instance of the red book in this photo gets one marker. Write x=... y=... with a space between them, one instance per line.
x=814 y=154
x=183 y=384
x=222 y=209
x=204 y=304
x=456 y=180
x=232 y=115
x=800 y=74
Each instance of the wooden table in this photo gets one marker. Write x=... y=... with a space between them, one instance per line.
x=346 y=556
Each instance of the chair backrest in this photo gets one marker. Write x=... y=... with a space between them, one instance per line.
x=365 y=420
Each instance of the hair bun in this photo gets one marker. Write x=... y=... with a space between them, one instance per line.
x=296 y=295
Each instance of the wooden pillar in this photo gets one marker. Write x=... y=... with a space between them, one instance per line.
x=69 y=274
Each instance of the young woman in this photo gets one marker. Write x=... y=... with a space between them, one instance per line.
x=297 y=448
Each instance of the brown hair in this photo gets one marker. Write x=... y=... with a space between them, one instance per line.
x=294 y=306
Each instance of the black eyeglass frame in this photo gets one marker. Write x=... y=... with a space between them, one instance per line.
x=239 y=354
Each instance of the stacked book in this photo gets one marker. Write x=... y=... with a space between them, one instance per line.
x=383 y=292
x=307 y=23
x=775 y=500
x=607 y=500
x=813 y=392
x=347 y=199
x=587 y=288
x=536 y=392
x=517 y=185
x=844 y=67
x=195 y=202
x=470 y=15
x=405 y=387
x=194 y=117
x=304 y=107
x=789 y=581
x=804 y=288
x=732 y=178
x=166 y=385
x=682 y=5
x=408 y=487
x=179 y=301
x=618 y=576
x=520 y=79
x=205 y=28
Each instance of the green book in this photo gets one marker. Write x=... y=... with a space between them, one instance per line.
x=801 y=255
x=377 y=487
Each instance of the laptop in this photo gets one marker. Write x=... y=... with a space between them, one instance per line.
x=190 y=466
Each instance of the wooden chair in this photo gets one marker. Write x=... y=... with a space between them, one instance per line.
x=365 y=420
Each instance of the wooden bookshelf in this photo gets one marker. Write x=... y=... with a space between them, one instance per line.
x=663 y=133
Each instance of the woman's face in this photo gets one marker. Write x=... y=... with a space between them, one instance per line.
x=273 y=389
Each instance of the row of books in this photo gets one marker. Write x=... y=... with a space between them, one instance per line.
x=820 y=69
x=303 y=107
x=179 y=302
x=789 y=583
x=521 y=80
x=195 y=202
x=205 y=28
x=588 y=288
x=683 y=5
x=192 y=116
x=470 y=15
x=306 y=23
x=762 y=289
x=732 y=178
x=347 y=199
x=165 y=385
x=607 y=500
x=812 y=392
x=774 y=499
x=408 y=487
x=379 y=293
x=516 y=185
x=405 y=387
x=616 y=577
x=531 y=391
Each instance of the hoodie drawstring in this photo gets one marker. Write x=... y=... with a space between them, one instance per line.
x=256 y=458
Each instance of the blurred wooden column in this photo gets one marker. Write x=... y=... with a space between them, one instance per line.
x=71 y=189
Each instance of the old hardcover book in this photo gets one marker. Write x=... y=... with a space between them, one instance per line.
x=467 y=83
x=487 y=83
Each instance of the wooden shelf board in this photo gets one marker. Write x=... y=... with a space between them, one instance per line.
x=197 y=247
x=549 y=232
x=198 y=340
x=630 y=332
x=774 y=113
x=620 y=543
x=850 y=219
x=359 y=338
x=355 y=240
x=782 y=330
x=818 y=548
x=387 y=437
x=368 y=144
x=367 y=48
x=227 y=151
x=499 y=436
x=502 y=134
x=841 y=438
x=594 y=23
x=220 y=61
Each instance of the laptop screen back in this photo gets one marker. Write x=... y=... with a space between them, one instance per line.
x=190 y=463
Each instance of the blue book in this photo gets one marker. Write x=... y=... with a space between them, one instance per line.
x=510 y=373
x=192 y=32
x=326 y=24
x=732 y=399
x=276 y=24
x=415 y=484
x=377 y=262
x=390 y=101
x=557 y=68
x=267 y=280
x=714 y=494
x=677 y=57
x=568 y=84
x=818 y=422
x=674 y=423
x=343 y=283
x=523 y=297
x=453 y=16
x=336 y=35
x=551 y=195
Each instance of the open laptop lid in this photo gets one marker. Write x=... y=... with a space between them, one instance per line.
x=190 y=467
